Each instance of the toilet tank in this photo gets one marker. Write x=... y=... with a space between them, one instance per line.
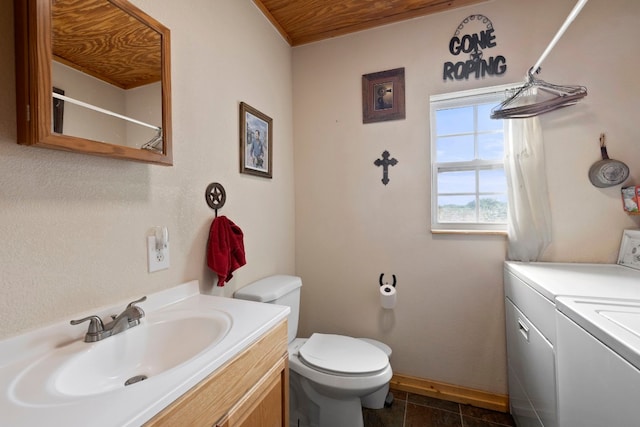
x=281 y=290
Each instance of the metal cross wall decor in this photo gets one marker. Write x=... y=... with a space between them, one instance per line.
x=385 y=162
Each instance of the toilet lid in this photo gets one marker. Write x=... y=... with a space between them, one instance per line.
x=344 y=355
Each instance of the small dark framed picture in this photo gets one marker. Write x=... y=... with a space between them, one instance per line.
x=256 y=142
x=383 y=96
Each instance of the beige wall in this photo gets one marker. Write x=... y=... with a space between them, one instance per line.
x=448 y=323
x=73 y=226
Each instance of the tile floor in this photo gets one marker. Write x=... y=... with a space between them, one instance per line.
x=412 y=410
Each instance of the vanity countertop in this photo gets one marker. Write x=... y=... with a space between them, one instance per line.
x=26 y=401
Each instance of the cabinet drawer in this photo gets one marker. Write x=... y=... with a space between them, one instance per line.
x=531 y=361
x=538 y=309
x=266 y=404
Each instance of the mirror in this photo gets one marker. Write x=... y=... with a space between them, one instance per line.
x=93 y=76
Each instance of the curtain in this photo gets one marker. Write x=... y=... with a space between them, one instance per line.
x=529 y=219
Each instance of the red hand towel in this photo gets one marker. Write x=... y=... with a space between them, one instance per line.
x=225 y=249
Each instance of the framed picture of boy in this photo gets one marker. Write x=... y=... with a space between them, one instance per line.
x=256 y=142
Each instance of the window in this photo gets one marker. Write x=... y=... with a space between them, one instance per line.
x=469 y=189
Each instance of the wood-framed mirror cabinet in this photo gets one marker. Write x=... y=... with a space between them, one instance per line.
x=113 y=63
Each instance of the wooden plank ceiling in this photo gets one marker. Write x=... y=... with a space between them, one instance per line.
x=306 y=21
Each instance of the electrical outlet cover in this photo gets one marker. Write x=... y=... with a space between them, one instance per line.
x=158 y=258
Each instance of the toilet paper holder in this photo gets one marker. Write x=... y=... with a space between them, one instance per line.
x=382 y=281
x=388 y=296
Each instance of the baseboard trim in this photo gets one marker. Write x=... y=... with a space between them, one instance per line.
x=453 y=393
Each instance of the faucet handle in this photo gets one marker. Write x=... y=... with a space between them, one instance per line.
x=133 y=303
x=95 y=324
x=139 y=312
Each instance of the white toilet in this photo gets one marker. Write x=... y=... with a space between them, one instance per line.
x=331 y=376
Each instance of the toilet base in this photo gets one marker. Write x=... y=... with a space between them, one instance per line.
x=377 y=399
x=308 y=408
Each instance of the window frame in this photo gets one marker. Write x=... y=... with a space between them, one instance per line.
x=494 y=94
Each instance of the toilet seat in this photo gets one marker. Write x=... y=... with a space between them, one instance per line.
x=334 y=383
x=342 y=355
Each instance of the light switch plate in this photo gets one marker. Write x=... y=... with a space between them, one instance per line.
x=158 y=258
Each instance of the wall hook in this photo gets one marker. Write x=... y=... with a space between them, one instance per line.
x=382 y=282
x=215 y=196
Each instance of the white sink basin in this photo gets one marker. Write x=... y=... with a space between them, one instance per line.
x=139 y=353
x=145 y=351
x=51 y=376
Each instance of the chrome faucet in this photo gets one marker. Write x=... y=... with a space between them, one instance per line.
x=129 y=318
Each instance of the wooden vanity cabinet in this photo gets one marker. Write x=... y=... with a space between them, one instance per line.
x=251 y=390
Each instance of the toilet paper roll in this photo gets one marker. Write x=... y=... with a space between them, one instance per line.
x=388 y=296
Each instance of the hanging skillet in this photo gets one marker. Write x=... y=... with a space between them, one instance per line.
x=607 y=172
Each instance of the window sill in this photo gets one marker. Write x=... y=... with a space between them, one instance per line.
x=471 y=232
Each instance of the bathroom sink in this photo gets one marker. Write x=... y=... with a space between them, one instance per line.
x=51 y=376
x=143 y=352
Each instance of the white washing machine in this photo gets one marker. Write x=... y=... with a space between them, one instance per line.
x=532 y=292
x=598 y=357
